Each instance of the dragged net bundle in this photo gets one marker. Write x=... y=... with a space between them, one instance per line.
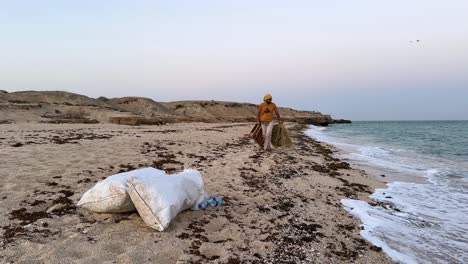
x=280 y=136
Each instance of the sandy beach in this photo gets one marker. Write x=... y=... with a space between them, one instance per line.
x=281 y=207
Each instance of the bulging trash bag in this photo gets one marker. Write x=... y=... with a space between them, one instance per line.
x=159 y=198
x=110 y=195
x=280 y=136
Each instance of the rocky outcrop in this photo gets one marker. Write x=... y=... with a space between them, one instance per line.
x=136 y=121
x=341 y=121
x=325 y=120
x=104 y=99
x=140 y=106
x=19 y=106
x=70 y=117
x=319 y=120
x=219 y=111
x=72 y=121
x=35 y=106
x=52 y=97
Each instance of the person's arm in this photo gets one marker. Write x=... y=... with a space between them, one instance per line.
x=278 y=115
x=258 y=116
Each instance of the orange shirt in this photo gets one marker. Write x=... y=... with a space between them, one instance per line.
x=266 y=111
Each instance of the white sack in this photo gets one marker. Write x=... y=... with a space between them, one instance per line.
x=110 y=195
x=159 y=198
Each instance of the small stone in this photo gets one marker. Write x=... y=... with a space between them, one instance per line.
x=52 y=208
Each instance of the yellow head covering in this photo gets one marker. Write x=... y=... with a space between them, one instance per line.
x=267 y=97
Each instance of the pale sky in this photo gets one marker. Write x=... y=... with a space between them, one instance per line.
x=354 y=59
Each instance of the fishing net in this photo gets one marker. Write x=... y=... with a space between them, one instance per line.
x=280 y=136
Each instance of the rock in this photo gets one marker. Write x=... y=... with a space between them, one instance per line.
x=129 y=121
x=324 y=120
x=54 y=207
x=136 y=121
x=341 y=121
x=3 y=91
x=52 y=115
x=152 y=121
x=104 y=99
x=72 y=121
x=16 y=106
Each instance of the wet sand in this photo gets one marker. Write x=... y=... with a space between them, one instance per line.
x=281 y=207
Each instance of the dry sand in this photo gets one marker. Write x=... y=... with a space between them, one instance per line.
x=282 y=207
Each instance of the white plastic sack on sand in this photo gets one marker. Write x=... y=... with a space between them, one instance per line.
x=159 y=198
x=110 y=195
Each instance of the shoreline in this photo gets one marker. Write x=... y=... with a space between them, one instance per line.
x=375 y=171
x=281 y=206
x=425 y=187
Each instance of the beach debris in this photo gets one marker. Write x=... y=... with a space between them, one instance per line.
x=280 y=136
x=256 y=134
x=91 y=240
x=74 y=136
x=168 y=163
x=209 y=201
x=158 y=198
x=110 y=195
x=30 y=222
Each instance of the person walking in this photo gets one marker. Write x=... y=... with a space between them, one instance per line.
x=265 y=118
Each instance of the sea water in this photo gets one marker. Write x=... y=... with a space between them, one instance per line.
x=426 y=164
